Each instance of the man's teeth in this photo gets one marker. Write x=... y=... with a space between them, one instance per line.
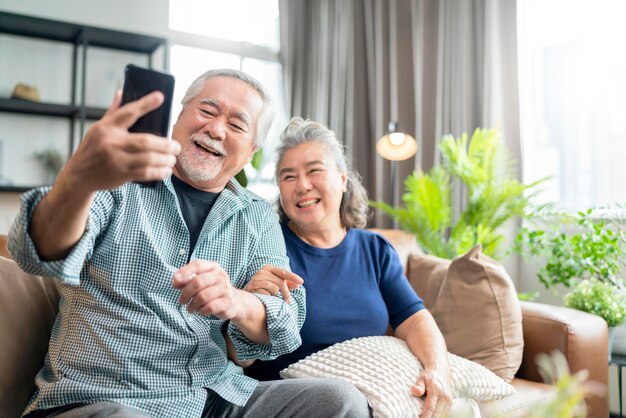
x=212 y=151
x=308 y=203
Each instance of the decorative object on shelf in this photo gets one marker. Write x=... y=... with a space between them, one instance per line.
x=81 y=39
x=25 y=92
x=493 y=197
x=51 y=161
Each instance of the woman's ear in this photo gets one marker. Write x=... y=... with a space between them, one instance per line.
x=344 y=182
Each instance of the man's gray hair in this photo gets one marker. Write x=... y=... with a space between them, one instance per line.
x=267 y=112
x=354 y=210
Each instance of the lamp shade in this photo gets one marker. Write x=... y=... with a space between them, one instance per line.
x=396 y=146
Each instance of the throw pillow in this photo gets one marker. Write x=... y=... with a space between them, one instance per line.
x=28 y=307
x=384 y=369
x=475 y=305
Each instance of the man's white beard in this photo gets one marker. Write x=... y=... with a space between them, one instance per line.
x=196 y=167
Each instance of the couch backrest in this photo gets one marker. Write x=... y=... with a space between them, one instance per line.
x=4 y=252
x=28 y=307
x=473 y=301
x=403 y=242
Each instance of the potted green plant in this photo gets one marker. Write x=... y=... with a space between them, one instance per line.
x=602 y=299
x=589 y=259
x=595 y=249
x=599 y=298
x=482 y=167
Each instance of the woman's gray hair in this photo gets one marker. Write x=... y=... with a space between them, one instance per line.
x=354 y=209
x=267 y=113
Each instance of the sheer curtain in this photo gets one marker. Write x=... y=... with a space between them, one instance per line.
x=456 y=71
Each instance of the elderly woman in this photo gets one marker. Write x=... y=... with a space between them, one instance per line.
x=355 y=285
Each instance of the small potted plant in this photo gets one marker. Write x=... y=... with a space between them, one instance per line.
x=602 y=299
x=589 y=260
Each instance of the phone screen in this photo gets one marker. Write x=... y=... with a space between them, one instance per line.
x=140 y=81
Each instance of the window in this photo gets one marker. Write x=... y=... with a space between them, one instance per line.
x=237 y=34
x=573 y=99
x=255 y=21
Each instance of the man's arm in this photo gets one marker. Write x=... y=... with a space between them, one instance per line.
x=425 y=341
x=270 y=280
x=206 y=289
x=108 y=157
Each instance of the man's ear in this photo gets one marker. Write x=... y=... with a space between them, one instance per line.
x=254 y=149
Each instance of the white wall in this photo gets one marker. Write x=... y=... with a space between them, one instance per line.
x=48 y=66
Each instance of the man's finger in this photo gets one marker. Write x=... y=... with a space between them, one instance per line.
x=199 y=284
x=128 y=114
x=204 y=296
x=117 y=99
x=143 y=142
x=189 y=271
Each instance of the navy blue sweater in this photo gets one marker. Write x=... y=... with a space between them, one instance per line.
x=355 y=289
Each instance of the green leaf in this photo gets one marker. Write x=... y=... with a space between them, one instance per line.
x=257 y=159
x=480 y=166
x=242 y=178
x=255 y=162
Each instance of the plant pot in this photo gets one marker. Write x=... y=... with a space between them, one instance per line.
x=612 y=331
x=619 y=340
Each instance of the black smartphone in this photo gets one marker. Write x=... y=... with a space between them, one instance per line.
x=137 y=83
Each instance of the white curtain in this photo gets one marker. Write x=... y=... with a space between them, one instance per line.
x=455 y=67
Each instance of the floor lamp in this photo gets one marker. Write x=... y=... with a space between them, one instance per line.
x=396 y=146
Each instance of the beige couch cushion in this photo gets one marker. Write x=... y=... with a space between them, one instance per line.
x=474 y=303
x=28 y=307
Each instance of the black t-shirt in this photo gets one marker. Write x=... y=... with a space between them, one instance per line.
x=195 y=205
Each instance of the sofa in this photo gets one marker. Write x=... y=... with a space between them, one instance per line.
x=581 y=337
x=28 y=306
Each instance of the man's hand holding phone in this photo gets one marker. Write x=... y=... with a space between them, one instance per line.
x=129 y=142
x=110 y=155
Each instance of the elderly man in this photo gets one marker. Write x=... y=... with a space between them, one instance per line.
x=150 y=278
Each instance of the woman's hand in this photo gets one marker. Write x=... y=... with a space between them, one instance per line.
x=437 y=390
x=271 y=279
x=427 y=344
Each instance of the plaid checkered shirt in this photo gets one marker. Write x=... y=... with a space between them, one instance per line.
x=121 y=334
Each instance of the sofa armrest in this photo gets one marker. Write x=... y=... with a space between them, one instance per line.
x=580 y=336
